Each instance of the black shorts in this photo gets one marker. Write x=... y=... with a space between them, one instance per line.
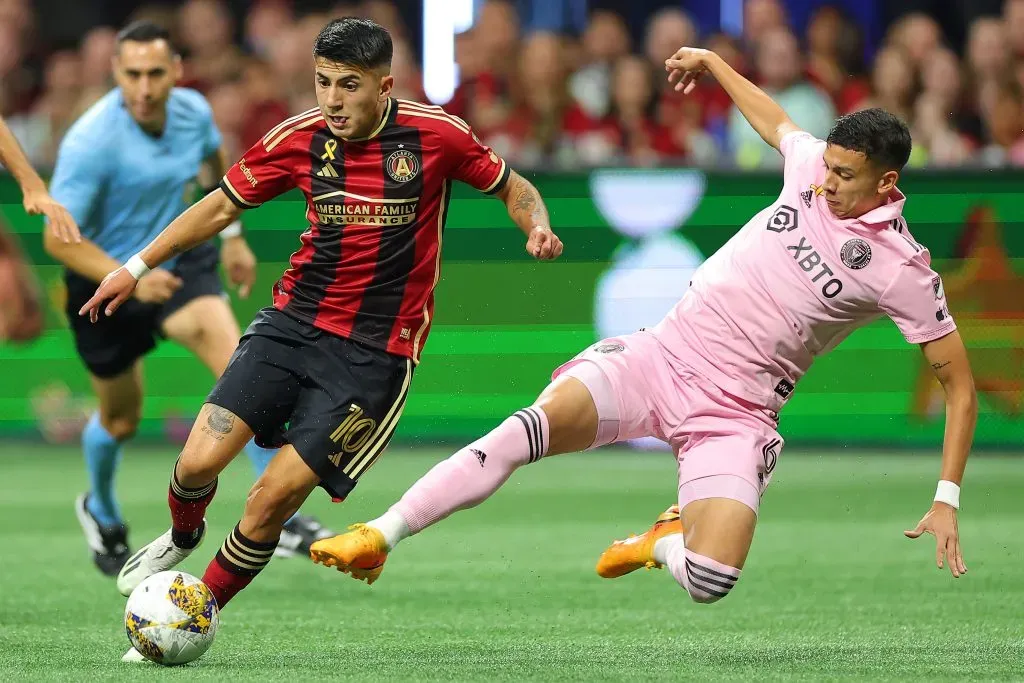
x=111 y=345
x=335 y=400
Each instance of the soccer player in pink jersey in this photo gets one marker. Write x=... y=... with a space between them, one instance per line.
x=830 y=255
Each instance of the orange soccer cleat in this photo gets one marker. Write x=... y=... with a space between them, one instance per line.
x=361 y=552
x=623 y=557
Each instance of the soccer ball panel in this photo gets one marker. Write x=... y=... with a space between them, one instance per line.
x=171 y=618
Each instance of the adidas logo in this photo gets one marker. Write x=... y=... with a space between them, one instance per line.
x=327 y=171
x=480 y=455
x=806 y=196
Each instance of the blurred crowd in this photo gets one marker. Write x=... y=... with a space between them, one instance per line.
x=596 y=98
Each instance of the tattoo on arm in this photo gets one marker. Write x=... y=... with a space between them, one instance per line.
x=526 y=206
x=219 y=423
x=940 y=365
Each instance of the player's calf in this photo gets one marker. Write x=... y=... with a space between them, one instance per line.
x=708 y=561
x=273 y=499
x=705 y=579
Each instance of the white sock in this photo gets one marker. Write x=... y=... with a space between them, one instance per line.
x=393 y=526
x=662 y=545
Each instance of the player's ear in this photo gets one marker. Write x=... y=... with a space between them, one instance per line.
x=386 y=84
x=887 y=182
x=178 y=68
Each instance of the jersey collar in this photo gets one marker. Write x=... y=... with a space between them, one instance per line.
x=380 y=126
x=886 y=213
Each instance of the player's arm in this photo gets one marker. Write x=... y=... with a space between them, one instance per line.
x=478 y=166
x=948 y=359
x=527 y=210
x=259 y=176
x=765 y=116
x=34 y=195
x=235 y=255
x=199 y=223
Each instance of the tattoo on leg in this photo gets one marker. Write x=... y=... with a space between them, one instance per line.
x=219 y=423
x=940 y=365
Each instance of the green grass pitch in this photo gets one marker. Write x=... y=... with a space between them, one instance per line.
x=831 y=591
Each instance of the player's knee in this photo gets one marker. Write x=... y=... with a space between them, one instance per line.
x=121 y=427
x=269 y=506
x=195 y=468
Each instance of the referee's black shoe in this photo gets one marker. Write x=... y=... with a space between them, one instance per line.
x=108 y=542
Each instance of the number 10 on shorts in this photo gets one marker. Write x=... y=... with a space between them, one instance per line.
x=353 y=433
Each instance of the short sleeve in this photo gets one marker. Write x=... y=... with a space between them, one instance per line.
x=475 y=164
x=798 y=147
x=916 y=301
x=264 y=172
x=81 y=172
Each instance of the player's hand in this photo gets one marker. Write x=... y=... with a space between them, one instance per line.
x=157 y=286
x=543 y=244
x=941 y=523
x=59 y=219
x=115 y=288
x=686 y=67
x=239 y=264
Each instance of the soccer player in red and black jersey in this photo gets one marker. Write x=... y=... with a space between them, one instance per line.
x=326 y=370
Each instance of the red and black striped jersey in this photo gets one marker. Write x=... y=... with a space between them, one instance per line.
x=371 y=257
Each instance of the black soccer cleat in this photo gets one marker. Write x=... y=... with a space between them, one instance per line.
x=299 y=534
x=108 y=543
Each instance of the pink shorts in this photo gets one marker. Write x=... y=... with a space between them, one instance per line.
x=725 y=446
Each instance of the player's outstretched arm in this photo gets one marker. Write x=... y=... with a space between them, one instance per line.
x=526 y=208
x=948 y=359
x=36 y=199
x=200 y=222
x=765 y=116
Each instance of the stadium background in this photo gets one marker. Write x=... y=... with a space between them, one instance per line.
x=570 y=91
x=642 y=185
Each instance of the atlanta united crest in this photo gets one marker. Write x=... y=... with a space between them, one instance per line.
x=402 y=166
x=856 y=254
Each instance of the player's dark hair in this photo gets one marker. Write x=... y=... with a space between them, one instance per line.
x=882 y=137
x=144 y=32
x=356 y=42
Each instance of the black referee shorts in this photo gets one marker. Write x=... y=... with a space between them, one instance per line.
x=112 y=344
x=335 y=400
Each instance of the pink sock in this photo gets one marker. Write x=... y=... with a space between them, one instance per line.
x=470 y=476
x=705 y=579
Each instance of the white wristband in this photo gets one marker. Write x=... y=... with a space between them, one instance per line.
x=136 y=266
x=949 y=493
x=233 y=230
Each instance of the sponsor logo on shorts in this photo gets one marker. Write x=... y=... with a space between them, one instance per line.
x=609 y=348
x=783 y=220
x=856 y=254
x=942 y=314
x=784 y=388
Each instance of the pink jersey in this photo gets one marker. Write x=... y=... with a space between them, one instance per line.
x=795 y=281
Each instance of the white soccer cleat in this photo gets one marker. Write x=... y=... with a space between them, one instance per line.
x=133 y=656
x=160 y=555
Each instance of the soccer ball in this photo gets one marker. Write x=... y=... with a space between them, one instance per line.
x=171 y=618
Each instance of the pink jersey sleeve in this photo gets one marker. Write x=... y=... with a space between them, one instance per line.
x=799 y=147
x=916 y=301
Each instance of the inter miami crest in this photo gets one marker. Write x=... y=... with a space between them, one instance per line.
x=856 y=254
x=402 y=166
x=937 y=287
x=609 y=348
